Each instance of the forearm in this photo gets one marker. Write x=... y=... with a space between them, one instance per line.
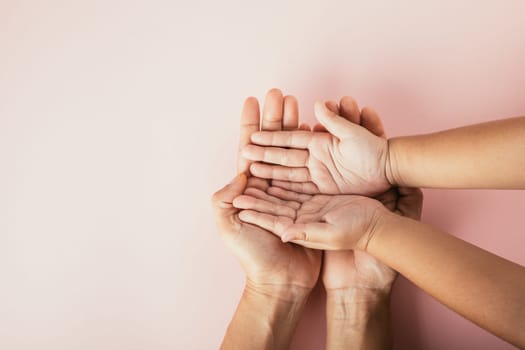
x=484 y=288
x=488 y=155
x=358 y=319
x=265 y=318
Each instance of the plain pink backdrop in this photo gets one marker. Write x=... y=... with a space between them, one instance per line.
x=119 y=119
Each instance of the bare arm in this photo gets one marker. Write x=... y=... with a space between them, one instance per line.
x=482 y=287
x=265 y=319
x=358 y=318
x=488 y=155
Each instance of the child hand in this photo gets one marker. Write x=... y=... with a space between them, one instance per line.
x=348 y=159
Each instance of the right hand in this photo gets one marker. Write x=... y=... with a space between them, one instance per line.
x=348 y=159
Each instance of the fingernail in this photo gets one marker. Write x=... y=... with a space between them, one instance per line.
x=256 y=137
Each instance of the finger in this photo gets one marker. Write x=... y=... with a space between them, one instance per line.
x=277 y=172
x=288 y=195
x=290 y=113
x=349 y=109
x=300 y=187
x=292 y=139
x=273 y=110
x=257 y=182
x=263 y=206
x=222 y=202
x=304 y=127
x=333 y=106
x=272 y=223
x=250 y=119
x=276 y=155
x=271 y=198
x=335 y=124
x=319 y=127
x=224 y=197
x=313 y=232
x=371 y=121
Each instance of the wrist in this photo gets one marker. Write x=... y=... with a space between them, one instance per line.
x=392 y=164
x=356 y=305
x=266 y=317
x=358 y=318
x=277 y=304
x=278 y=293
x=272 y=312
x=380 y=222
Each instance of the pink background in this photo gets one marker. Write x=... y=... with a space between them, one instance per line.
x=119 y=119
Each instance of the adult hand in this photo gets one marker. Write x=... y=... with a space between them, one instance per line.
x=269 y=265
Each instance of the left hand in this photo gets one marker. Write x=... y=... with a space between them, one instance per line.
x=270 y=266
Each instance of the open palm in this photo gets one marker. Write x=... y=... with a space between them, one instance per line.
x=263 y=257
x=347 y=160
x=351 y=268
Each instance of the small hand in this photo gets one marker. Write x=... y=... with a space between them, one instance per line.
x=348 y=159
x=325 y=222
x=346 y=270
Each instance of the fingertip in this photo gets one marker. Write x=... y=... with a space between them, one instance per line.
x=319 y=105
x=239 y=182
x=251 y=152
x=256 y=137
x=237 y=202
x=251 y=100
x=274 y=92
x=322 y=110
x=305 y=127
x=243 y=215
x=332 y=106
x=348 y=101
x=242 y=177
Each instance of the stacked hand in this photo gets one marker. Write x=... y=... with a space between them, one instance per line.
x=302 y=191
x=270 y=266
x=331 y=222
x=306 y=192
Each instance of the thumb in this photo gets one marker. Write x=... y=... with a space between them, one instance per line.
x=335 y=124
x=311 y=234
x=223 y=198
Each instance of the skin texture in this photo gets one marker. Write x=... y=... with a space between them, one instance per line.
x=279 y=277
x=487 y=155
x=310 y=164
x=358 y=285
x=458 y=274
x=348 y=159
